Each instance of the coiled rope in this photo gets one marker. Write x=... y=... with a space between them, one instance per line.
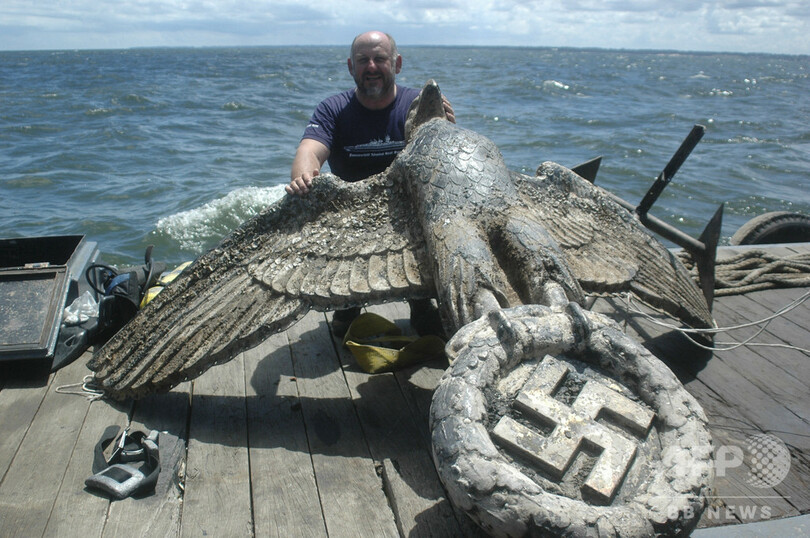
x=755 y=270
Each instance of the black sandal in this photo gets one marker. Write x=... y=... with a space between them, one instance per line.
x=120 y=476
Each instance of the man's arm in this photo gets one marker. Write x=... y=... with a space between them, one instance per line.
x=309 y=157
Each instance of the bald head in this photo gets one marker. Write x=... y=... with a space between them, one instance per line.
x=373 y=38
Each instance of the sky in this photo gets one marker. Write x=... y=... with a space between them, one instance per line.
x=770 y=26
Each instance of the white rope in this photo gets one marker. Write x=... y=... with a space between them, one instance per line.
x=87 y=388
x=687 y=332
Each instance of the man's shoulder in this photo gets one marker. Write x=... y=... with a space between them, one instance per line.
x=407 y=94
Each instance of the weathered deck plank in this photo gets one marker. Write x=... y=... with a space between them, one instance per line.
x=217 y=487
x=284 y=490
x=34 y=477
x=776 y=374
x=20 y=399
x=349 y=487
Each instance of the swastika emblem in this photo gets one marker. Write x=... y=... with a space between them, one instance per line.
x=575 y=428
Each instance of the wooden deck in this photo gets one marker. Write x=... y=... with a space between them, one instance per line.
x=292 y=439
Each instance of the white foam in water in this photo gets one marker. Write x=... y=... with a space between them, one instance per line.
x=199 y=228
x=556 y=84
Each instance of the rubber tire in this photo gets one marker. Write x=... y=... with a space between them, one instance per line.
x=773 y=227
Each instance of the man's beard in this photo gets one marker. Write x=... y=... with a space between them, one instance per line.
x=375 y=90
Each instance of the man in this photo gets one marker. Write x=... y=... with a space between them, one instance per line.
x=359 y=132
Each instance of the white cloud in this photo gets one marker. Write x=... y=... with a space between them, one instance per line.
x=713 y=25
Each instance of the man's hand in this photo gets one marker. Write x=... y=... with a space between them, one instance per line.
x=300 y=185
x=309 y=157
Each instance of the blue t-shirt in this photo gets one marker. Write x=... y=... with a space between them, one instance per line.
x=361 y=142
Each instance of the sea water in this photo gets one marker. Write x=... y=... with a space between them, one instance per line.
x=176 y=147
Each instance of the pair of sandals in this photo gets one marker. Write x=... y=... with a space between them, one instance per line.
x=133 y=466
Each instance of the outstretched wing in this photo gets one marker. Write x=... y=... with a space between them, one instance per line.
x=344 y=244
x=607 y=249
